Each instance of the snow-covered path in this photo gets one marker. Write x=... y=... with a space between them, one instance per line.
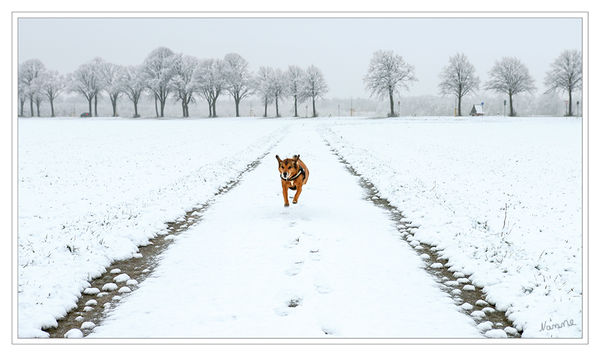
x=333 y=265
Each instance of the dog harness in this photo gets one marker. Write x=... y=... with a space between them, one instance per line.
x=300 y=172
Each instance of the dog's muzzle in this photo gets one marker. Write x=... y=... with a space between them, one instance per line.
x=286 y=178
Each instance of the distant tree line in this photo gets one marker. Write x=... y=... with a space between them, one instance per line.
x=186 y=79
x=165 y=74
x=388 y=73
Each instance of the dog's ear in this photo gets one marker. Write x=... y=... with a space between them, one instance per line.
x=296 y=157
x=278 y=159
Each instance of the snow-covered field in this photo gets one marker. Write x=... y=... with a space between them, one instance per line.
x=501 y=197
x=91 y=191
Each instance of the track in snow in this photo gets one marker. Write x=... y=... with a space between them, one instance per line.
x=333 y=265
x=472 y=299
x=92 y=307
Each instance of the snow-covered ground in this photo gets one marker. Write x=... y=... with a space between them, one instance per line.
x=91 y=191
x=502 y=197
x=334 y=254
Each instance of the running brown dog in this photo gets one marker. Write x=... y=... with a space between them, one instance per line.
x=294 y=175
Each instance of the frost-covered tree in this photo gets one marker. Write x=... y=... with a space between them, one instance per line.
x=158 y=73
x=86 y=81
x=279 y=88
x=36 y=93
x=52 y=85
x=314 y=86
x=295 y=78
x=210 y=80
x=134 y=85
x=98 y=65
x=388 y=73
x=22 y=98
x=28 y=72
x=458 y=78
x=264 y=87
x=511 y=77
x=184 y=84
x=113 y=82
x=238 y=79
x=565 y=74
x=38 y=98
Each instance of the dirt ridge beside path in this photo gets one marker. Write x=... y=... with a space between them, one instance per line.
x=93 y=306
x=469 y=297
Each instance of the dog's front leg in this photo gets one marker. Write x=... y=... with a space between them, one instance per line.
x=298 y=191
x=286 y=202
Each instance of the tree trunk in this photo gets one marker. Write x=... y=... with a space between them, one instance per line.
x=214 y=108
x=37 y=105
x=570 y=107
x=276 y=106
x=156 y=104
x=31 y=106
x=209 y=109
x=96 y=105
x=391 y=92
x=265 y=115
x=162 y=107
x=237 y=107
x=314 y=107
x=295 y=106
x=183 y=107
x=22 y=101
x=135 y=113
x=512 y=113
x=460 y=95
x=90 y=106
x=114 y=106
x=51 y=107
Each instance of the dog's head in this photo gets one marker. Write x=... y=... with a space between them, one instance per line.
x=288 y=167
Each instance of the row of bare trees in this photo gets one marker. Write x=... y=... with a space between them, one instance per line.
x=36 y=84
x=165 y=74
x=388 y=73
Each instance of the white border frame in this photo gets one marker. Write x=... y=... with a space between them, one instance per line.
x=306 y=14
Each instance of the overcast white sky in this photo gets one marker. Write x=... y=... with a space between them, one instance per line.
x=342 y=48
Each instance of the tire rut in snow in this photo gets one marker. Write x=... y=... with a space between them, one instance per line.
x=107 y=290
x=470 y=298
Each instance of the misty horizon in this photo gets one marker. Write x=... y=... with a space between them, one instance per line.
x=341 y=47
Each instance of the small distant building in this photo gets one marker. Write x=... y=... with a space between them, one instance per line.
x=477 y=110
